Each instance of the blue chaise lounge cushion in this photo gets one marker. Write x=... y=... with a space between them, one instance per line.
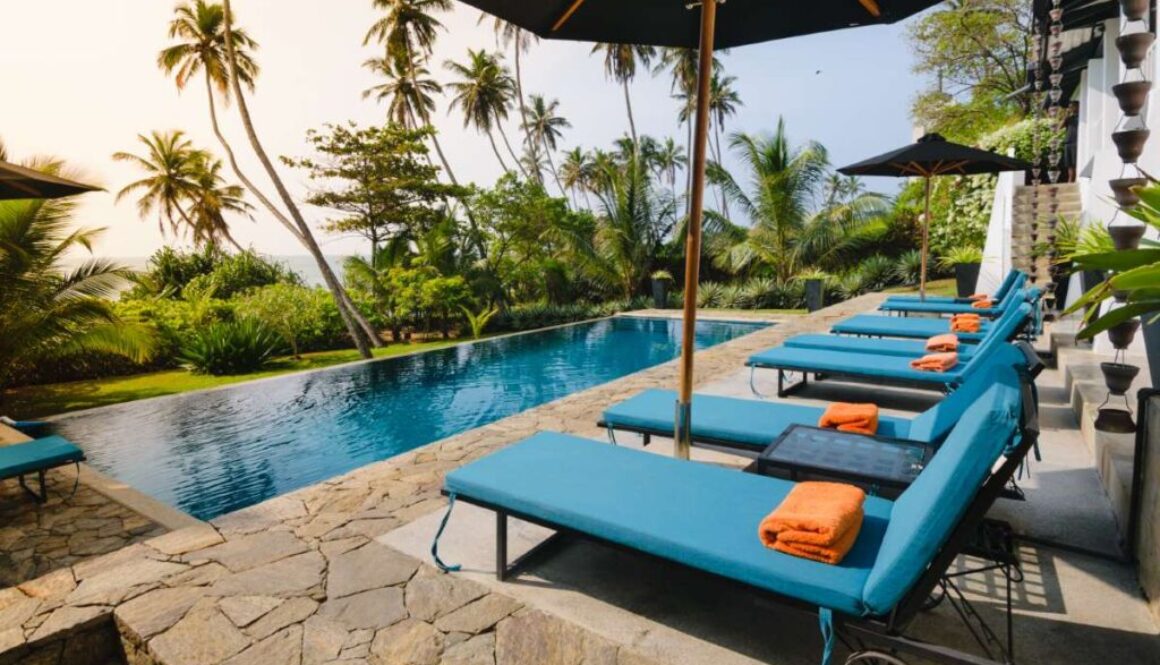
x=46 y=453
x=696 y=514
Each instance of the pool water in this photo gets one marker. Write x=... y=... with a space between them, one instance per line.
x=214 y=452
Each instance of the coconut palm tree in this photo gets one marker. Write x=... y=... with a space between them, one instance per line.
x=407 y=90
x=50 y=311
x=620 y=63
x=484 y=94
x=360 y=330
x=213 y=199
x=783 y=182
x=682 y=65
x=545 y=127
x=576 y=172
x=408 y=27
x=507 y=33
x=171 y=165
x=667 y=159
x=723 y=102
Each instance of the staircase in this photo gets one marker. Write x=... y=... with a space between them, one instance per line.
x=1036 y=211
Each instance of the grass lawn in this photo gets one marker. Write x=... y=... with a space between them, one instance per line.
x=935 y=287
x=40 y=401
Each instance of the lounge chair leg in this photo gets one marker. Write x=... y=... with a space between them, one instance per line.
x=647 y=439
x=501 y=542
x=783 y=390
x=42 y=496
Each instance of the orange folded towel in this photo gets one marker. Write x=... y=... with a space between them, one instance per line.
x=965 y=325
x=848 y=417
x=979 y=296
x=943 y=343
x=816 y=520
x=985 y=303
x=935 y=362
x=966 y=316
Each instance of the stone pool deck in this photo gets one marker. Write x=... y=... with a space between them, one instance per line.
x=326 y=575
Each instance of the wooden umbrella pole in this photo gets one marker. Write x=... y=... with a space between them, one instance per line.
x=683 y=435
x=925 y=242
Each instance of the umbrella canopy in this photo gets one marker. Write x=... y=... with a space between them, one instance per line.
x=695 y=25
x=678 y=23
x=19 y=182
x=933 y=156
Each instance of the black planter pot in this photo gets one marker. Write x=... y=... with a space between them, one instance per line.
x=1134 y=10
x=815 y=299
x=1118 y=377
x=660 y=293
x=1122 y=334
x=966 y=277
x=1132 y=96
x=1130 y=143
x=1134 y=48
x=1091 y=279
x=1061 y=276
x=1126 y=236
x=1126 y=197
x=1152 y=346
x=1115 y=421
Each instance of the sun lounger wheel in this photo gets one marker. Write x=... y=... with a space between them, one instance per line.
x=873 y=657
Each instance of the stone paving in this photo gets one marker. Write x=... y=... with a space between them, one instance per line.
x=297 y=579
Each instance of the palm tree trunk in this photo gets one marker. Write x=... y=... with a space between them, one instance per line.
x=555 y=174
x=253 y=189
x=720 y=163
x=523 y=107
x=360 y=330
x=628 y=105
x=503 y=135
x=491 y=139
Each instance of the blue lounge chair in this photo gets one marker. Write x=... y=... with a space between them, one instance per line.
x=1012 y=297
x=876 y=368
x=32 y=428
x=1000 y=293
x=878 y=325
x=903 y=348
x=747 y=426
x=20 y=459
x=705 y=517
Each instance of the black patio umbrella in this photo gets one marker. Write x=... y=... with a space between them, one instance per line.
x=697 y=25
x=19 y=182
x=933 y=156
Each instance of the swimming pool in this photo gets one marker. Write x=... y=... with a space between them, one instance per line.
x=213 y=452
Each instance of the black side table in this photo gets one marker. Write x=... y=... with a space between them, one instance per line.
x=828 y=453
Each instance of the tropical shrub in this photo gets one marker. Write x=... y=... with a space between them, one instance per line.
x=305 y=318
x=236 y=273
x=711 y=294
x=478 y=321
x=238 y=347
x=876 y=272
x=908 y=268
x=960 y=256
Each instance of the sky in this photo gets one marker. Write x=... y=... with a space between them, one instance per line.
x=80 y=81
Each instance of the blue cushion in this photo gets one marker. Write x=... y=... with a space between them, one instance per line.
x=900 y=326
x=1000 y=293
x=742 y=421
x=1010 y=297
x=46 y=453
x=696 y=514
x=925 y=514
x=867 y=365
x=936 y=423
x=904 y=348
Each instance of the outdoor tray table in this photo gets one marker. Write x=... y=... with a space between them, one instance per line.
x=876 y=461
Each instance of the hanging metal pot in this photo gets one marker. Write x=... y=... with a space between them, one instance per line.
x=1130 y=143
x=1122 y=334
x=1118 y=377
x=1126 y=236
x=1132 y=96
x=1115 y=421
x=1134 y=10
x=1123 y=189
x=1134 y=48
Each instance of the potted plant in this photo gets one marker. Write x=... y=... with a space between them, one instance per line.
x=815 y=283
x=1089 y=240
x=661 y=280
x=1136 y=280
x=965 y=261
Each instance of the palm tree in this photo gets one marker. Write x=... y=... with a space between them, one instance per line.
x=723 y=102
x=544 y=128
x=408 y=26
x=521 y=41
x=576 y=173
x=667 y=158
x=682 y=65
x=171 y=166
x=50 y=311
x=212 y=200
x=782 y=185
x=484 y=93
x=407 y=90
x=620 y=62
x=360 y=330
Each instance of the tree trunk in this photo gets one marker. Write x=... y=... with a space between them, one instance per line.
x=503 y=135
x=491 y=139
x=360 y=331
x=523 y=107
x=721 y=163
x=555 y=174
x=628 y=105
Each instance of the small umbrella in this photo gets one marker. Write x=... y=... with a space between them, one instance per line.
x=933 y=156
x=19 y=182
x=678 y=23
